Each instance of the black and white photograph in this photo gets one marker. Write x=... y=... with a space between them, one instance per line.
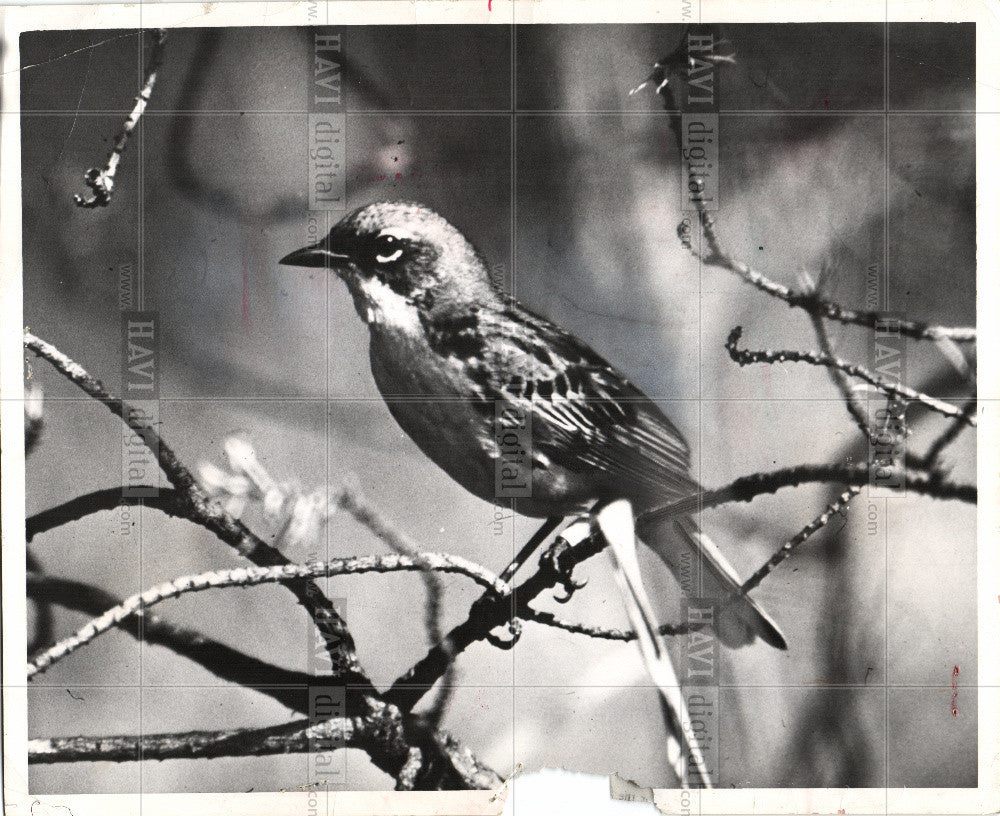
x=420 y=396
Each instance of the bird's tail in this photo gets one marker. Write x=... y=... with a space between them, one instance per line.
x=683 y=751
x=704 y=572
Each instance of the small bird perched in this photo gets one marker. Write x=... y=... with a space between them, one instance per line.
x=452 y=356
x=447 y=347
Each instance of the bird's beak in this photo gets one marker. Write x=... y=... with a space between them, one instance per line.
x=316 y=255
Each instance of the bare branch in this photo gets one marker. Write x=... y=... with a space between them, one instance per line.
x=829 y=310
x=167 y=501
x=854 y=407
x=102 y=181
x=489 y=612
x=247 y=576
x=745 y=357
x=200 y=509
x=287 y=687
x=949 y=435
x=377 y=731
x=600 y=632
x=747 y=488
x=368 y=515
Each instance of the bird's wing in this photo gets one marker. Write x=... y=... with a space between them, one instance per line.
x=585 y=414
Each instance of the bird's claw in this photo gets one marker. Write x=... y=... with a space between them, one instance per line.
x=515 y=627
x=569 y=588
x=575 y=533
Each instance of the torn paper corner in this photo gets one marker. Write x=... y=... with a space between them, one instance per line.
x=625 y=790
x=501 y=794
x=558 y=790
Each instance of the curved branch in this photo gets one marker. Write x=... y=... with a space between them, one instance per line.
x=246 y=576
x=673 y=67
x=284 y=685
x=168 y=501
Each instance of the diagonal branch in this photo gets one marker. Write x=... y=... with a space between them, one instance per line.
x=838 y=506
x=949 y=435
x=287 y=687
x=854 y=407
x=489 y=612
x=368 y=515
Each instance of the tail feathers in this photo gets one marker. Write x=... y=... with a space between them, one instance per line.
x=683 y=751
x=704 y=572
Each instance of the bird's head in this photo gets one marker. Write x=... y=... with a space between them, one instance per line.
x=400 y=259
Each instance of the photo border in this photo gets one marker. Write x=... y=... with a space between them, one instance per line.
x=983 y=799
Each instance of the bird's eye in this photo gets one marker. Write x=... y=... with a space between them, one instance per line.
x=387 y=249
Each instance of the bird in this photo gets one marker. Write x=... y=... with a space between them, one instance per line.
x=451 y=353
x=460 y=365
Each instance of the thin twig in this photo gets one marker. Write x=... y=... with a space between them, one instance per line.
x=747 y=488
x=287 y=687
x=949 y=435
x=854 y=407
x=746 y=357
x=102 y=181
x=249 y=576
x=800 y=537
x=601 y=632
x=815 y=305
x=368 y=515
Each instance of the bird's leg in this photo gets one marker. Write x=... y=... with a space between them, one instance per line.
x=514 y=624
x=577 y=532
x=533 y=544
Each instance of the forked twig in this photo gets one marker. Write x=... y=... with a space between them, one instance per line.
x=199 y=508
x=664 y=73
x=744 y=357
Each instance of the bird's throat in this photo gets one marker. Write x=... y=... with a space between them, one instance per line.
x=380 y=306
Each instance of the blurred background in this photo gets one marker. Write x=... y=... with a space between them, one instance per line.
x=842 y=144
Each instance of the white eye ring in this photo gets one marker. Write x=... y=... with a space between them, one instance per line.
x=395 y=256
